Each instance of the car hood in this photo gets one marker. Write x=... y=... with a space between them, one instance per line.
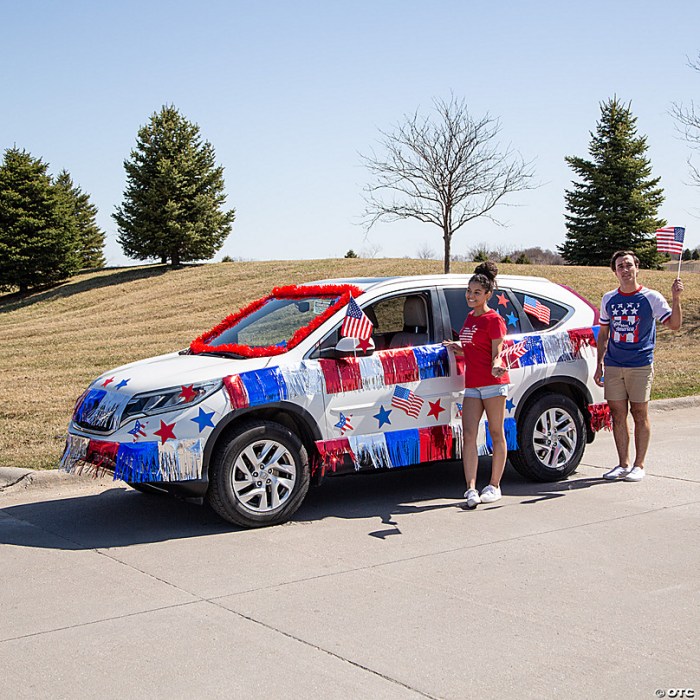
x=173 y=369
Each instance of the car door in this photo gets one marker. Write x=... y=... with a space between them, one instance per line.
x=382 y=401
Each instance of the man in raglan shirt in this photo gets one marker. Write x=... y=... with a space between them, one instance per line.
x=626 y=342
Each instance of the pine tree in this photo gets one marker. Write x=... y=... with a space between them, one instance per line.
x=91 y=239
x=38 y=234
x=615 y=205
x=173 y=200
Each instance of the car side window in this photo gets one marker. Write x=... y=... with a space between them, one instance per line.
x=540 y=312
x=500 y=301
x=404 y=320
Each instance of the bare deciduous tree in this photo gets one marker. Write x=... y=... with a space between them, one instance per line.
x=688 y=119
x=425 y=252
x=444 y=172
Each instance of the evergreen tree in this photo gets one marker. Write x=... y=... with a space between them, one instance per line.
x=615 y=205
x=38 y=234
x=173 y=200
x=91 y=239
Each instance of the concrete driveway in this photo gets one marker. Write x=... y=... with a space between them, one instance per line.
x=383 y=586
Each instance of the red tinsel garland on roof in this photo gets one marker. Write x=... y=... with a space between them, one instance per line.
x=201 y=344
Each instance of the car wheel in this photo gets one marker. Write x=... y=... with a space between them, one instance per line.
x=551 y=439
x=259 y=476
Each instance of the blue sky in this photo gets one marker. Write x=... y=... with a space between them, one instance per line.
x=290 y=93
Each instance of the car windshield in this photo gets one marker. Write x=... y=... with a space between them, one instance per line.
x=274 y=323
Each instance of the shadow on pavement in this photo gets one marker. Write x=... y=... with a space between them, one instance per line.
x=119 y=517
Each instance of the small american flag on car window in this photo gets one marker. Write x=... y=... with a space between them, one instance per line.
x=536 y=308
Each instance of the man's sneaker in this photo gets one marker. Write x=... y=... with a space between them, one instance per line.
x=473 y=499
x=617 y=473
x=489 y=494
x=637 y=474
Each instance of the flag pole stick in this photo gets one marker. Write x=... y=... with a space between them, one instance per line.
x=680 y=257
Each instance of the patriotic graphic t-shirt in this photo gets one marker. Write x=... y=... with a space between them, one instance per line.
x=476 y=336
x=632 y=319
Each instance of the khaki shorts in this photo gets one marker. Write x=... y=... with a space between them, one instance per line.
x=628 y=383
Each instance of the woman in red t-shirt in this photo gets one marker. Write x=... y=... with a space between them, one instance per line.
x=486 y=383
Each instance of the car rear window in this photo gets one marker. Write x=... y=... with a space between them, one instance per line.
x=541 y=313
x=500 y=301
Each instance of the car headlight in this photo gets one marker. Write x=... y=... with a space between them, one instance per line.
x=153 y=402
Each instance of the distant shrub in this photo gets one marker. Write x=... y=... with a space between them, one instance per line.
x=522 y=259
x=351 y=254
x=227 y=258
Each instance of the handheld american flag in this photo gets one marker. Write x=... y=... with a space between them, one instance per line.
x=513 y=353
x=669 y=239
x=356 y=324
x=536 y=308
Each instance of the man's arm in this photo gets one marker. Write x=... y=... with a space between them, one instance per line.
x=603 y=335
x=675 y=320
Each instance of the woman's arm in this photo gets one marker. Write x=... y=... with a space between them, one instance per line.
x=498 y=367
x=455 y=346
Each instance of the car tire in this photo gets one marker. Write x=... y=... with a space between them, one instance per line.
x=259 y=476
x=551 y=439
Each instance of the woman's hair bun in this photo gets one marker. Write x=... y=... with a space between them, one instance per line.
x=488 y=269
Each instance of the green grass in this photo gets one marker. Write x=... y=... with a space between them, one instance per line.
x=54 y=342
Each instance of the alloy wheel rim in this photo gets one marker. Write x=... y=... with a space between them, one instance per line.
x=264 y=475
x=554 y=438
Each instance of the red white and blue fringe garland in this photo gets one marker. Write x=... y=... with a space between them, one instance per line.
x=136 y=462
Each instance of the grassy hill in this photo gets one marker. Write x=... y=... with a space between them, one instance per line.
x=53 y=343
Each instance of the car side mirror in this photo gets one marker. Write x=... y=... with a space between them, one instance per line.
x=351 y=346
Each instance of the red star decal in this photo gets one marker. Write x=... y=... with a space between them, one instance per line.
x=435 y=409
x=188 y=393
x=107 y=381
x=165 y=432
x=502 y=301
x=363 y=344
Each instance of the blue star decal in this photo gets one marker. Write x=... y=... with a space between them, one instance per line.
x=382 y=416
x=122 y=383
x=512 y=320
x=203 y=420
x=510 y=405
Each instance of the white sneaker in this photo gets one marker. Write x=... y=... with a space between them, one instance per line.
x=617 y=473
x=473 y=499
x=489 y=494
x=637 y=474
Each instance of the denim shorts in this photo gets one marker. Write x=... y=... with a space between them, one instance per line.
x=486 y=392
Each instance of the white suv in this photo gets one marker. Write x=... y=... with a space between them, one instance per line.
x=273 y=398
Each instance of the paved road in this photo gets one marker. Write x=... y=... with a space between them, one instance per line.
x=382 y=587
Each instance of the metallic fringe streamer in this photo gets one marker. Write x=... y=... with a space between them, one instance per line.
x=264 y=385
x=435 y=443
x=557 y=348
x=349 y=372
x=432 y=360
x=581 y=338
x=535 y=351
x=403 y=447
x=181 y=461
x=333 y=451
x=137 y=462
x=331 y=376
x=75 y=451
x=600 y=416
x=458 y=437
x=102 y=412
x=372 y=372
x=236 y=391
x=370 y=450
x=400 y=366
